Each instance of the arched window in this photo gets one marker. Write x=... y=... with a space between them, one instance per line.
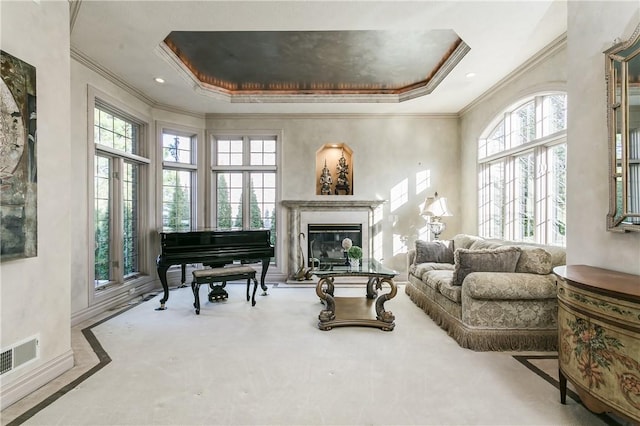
x=522 y=172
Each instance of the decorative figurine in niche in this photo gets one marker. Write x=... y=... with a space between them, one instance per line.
x=325 y=180
x=343 y=180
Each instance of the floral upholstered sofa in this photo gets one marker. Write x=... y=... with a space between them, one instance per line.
x=489 y=295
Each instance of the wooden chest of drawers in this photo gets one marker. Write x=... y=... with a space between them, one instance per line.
x=599 y=338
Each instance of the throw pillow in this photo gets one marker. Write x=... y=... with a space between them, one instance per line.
x=534 y=260
x=501 y=259
x=433 y=251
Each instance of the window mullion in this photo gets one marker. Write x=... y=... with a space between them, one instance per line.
x=507 y=131
x=194 y=191
x=541 y=210
x=538 y=105
x=119 y=153
x=117 y=223
x=246 y=183
x=510 y=207
x=484 y=198
x=170 y=165
x=246 y=200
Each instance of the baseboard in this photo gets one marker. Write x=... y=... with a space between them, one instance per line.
x=35 y=379
x=108 y=304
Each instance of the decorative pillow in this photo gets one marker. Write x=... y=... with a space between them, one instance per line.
x=464 y=241
x=433 y=251
x=501 y=259
x=534 y=260
x=484 y=244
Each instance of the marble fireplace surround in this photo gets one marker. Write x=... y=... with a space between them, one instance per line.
x=303 y=212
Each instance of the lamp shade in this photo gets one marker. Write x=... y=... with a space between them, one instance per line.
x=436 y=207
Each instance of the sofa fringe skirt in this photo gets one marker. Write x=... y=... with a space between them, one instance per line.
x=481 y=339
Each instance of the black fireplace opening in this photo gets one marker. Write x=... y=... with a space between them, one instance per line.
x=324 y=245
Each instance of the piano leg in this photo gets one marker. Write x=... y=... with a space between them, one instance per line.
x=184 y=276
x=162 y=274
x=265 y=266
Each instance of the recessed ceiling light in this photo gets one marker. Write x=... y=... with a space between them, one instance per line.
x=471 y=75
x=159 y=80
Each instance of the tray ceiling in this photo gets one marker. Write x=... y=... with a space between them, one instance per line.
x=124 y=41
x=402 y=64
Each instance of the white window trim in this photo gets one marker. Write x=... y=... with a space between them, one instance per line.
x=146 y=264
x=210 y=212
x=211 y=168
x=199 y=166
x=539 y=147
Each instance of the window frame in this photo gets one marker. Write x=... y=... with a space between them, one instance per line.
x=192 y=168
x=213 y=169
x=119 y=283
x=540 y=147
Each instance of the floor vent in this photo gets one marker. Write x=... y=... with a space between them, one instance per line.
x=18 y=355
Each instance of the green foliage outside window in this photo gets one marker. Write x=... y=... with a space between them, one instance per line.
x=101 y=251
x=178 y=208
x=224 y=207
x=254 y=211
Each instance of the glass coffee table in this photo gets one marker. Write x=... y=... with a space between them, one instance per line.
x=356 y=311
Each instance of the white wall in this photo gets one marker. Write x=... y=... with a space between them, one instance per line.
x=84 y=80
x=588 y=241
x=34 y=292
x=580 y=63
x=547 y=71
x=386 y=151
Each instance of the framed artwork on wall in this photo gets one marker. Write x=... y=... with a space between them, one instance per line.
x=18 y=166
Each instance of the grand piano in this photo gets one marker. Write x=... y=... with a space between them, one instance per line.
x=212 y=248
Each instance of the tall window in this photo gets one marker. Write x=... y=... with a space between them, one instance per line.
x=117 y=191
x=522 y=172
x=245 y=175
x=178 y=181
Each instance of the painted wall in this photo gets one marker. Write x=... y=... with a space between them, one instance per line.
x=545 y=72
x=34 y=292
x=576 y=66
x=83 y=80
x=588 y=242
x=387 y=150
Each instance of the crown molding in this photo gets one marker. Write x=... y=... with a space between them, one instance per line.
x=85 y=60
x=74 y=8
x=113 y=78
x=542 y=55
x=333 y=116
x=240 y=96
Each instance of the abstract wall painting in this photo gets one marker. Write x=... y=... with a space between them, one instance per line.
x=18 y=178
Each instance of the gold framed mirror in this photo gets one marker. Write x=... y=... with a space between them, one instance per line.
x=623 y=117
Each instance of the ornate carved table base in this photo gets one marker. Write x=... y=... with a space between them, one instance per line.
x=354 y=311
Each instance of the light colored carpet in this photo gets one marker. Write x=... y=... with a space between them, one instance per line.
x=240 y=365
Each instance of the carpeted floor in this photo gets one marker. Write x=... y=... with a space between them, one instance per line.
x=270 y=364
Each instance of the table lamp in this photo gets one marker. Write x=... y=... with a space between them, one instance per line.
x=435 y=208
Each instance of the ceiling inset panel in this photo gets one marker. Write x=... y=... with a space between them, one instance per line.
x=245 y=65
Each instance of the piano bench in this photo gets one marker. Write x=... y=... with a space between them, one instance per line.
x=222 y=275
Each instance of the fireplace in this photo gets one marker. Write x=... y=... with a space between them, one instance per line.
x=324 y=244
x=326 y=211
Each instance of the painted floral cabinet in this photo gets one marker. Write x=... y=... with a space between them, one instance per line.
x=599 y=338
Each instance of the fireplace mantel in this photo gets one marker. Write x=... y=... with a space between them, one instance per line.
x=331 y=204
x=362 y=210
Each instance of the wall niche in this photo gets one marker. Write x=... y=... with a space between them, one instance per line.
x=334 y=169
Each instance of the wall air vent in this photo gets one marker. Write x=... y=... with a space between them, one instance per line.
x=18 y=355
x=6 y=361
